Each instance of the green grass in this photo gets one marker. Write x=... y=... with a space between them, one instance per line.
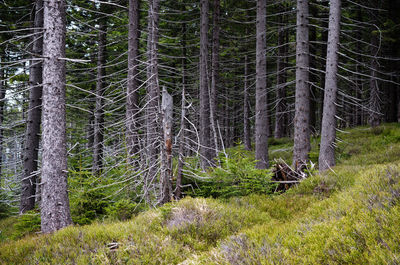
x=347 y=216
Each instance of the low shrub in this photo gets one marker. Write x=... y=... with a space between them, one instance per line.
x=26 y=223
x=5 y=209
x=123 y=209
x=236 y=176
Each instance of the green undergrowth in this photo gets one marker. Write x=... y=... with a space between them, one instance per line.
x=349 y=215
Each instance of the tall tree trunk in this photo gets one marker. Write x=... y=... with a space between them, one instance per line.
x=280 y=108
x=206 y=152
x=328 y=133
x=2 y=103
x=324 y=42
x=214 y=74
x=246 y=107
x=181 y=155
x=98 y=143
x=374 y=99
x=55 y=213
x=358 y=83
x=32 y=138
x=132 y=95
x=312 y=77
x=261 y=132
x=153 y=97
x=302 y=102
x=90 y=125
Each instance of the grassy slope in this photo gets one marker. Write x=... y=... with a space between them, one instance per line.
x=349 y=216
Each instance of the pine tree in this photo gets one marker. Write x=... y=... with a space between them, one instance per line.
x=55 y=213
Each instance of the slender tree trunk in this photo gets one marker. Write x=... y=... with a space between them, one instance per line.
x=302 y=102
x=98 y=143
x=246 y=107
x=374 y=99
x=132 y=96
x=32 y=138
x=90 y=126
x=324 y=40
x=55 y=213
x=2 y=103
x=358 y=108
x=181 y=155
x=214 y=74
x=226 y=119
x=261 y=132
x=312 y=77
x=206 y=152
x=153 y=96
x=280 y=108
x=328 y=133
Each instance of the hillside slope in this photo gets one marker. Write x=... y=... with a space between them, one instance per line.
x=350 y=215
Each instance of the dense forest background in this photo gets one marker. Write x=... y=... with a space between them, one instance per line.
x=158 y=92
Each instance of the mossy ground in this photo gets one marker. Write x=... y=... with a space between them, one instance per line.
x=350 y=215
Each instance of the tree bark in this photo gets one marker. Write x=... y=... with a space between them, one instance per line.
x=98 y=141
x=280 y=109
x=153 y=97
x=261 y=132
x=181 y=155
x=328 y=133
x=32 y=135
x=214 y=74
x=358 y=83
x=2 y=103
x=324 y=41
x=246 y=107
x=302 y=101
x=132 y=95
x=166 y=163
x=312 y=78
x=206 y=152
x=55 y=213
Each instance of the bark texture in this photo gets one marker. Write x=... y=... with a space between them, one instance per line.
x=280 y=109
x=302 y=101
x=2 y=98
x=328 y=133
x=181 y=155
x=246 y=107
x=206 y=152
x=132 y=96
x=55 y=213
x=32 y=135
x=153 y=96
x=261 y=130
x=214 y=74
x=166 y=163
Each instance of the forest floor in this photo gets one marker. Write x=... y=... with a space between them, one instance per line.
x=350 y=215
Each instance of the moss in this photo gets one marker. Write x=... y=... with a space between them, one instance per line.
x=347 y=216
